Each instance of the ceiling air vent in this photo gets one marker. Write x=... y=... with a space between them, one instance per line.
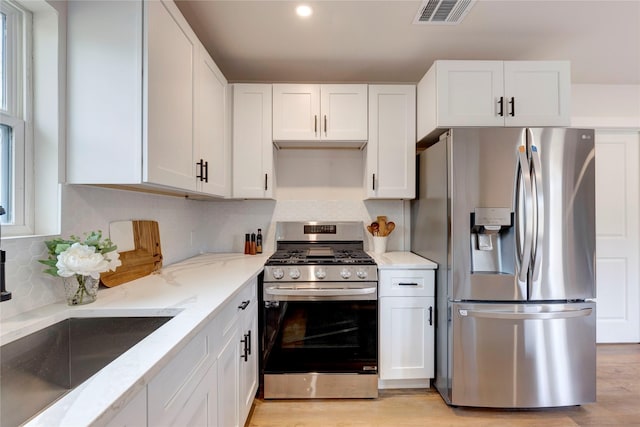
x=447 y=12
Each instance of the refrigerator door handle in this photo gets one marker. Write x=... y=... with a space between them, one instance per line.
x=497 y=314
x=539 y=211
x=525 y=256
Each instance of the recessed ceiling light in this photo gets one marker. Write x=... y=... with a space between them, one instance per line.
x=304 y=10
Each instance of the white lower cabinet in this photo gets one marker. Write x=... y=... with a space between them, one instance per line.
x=134 y=414
x=229 y=381
x=208 y=383
x=172 y=393
x=249 y=363
x=406 y=346
x=237 y=358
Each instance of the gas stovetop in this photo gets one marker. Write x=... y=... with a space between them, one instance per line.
x=312 y=252
x=320 y=255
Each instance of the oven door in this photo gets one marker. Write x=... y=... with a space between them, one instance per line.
x=324 y=334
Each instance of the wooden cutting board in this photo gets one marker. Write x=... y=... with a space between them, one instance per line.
x=141 y=261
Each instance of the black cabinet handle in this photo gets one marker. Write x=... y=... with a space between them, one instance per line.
x=244 y=354
x=501 y=103
x=374 y=182
x=265 y=182
x=408 y=284
x=315 y=124
x=512 y=102
x=430 y=316
x=199 y=168
x=206 y=171
x=325 y=124
x=244 y=304
x=248 y=342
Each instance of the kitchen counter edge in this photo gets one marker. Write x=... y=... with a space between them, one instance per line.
x=402 y=260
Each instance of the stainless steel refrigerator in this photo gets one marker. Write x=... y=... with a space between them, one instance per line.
x=509 y=216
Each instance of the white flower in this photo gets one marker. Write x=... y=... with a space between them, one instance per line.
x=114 y=260
x=81 y=259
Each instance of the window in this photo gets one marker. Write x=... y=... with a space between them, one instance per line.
x=14 y=104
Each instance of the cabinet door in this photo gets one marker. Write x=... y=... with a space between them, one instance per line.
x=212 y=148
x=343 y=112
x=134 y=414
x=169 y=67
x=296 y=112
x=252 y=146
x=468 y=93
x=537 y=93
x=170 y=391
x=406 y=338
x=249 y=367
x=391 y=150
x=104 y=92
x=201 y=409
x=228 y=380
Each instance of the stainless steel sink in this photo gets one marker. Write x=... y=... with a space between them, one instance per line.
x=38 y=369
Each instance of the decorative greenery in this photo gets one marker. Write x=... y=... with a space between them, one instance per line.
x=80 y=256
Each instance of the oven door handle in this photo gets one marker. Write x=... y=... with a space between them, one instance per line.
x=324 y=292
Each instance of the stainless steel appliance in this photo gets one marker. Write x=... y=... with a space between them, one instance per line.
x=319 y=334
x=509 y=216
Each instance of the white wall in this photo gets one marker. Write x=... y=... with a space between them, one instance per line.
x=227 y=222
x=605 y=106
x=91 y=208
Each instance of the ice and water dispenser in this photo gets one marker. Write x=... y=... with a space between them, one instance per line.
x=492 y=240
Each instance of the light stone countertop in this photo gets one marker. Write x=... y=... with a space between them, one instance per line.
x=402 y=260
x=193 y=290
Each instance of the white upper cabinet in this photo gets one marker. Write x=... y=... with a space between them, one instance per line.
x=493 y=93
x=537 y=93
x=170 y=60
x=391 y=152
x=212 y=133
x=319 y=113
x=143 y=101
x=253 y=176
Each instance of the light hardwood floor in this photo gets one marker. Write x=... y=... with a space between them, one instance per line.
x=618 y=404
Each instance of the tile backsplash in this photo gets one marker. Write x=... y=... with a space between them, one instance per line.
x=187 y=228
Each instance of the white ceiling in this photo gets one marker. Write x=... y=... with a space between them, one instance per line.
x=376 y=41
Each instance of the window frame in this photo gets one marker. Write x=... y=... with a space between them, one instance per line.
x=17 y=114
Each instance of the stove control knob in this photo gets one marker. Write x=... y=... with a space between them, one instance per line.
x=277 y=273
x=362 y=274
x=321 y=273
x=345 y=273
x=294 y=273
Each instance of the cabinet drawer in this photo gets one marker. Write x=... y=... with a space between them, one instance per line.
x=246 y=298
x=398 y=283
x=169 y=391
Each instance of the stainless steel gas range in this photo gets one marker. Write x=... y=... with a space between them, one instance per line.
x=319 y=328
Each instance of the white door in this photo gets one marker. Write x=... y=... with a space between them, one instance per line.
x=536 y=93
x=343 y=112
x=252 y=147
x=229 y=381
x=469 y=93
x=296 y=112
x=406 y=338
x=249 y=364
x=618 y=236
x=211 y=144
x=391 y=150
x=171 y=51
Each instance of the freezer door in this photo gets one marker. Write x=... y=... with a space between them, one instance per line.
x=563 y=174
x=523 y=356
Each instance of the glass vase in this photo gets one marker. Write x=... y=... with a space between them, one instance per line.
x=80 y=289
